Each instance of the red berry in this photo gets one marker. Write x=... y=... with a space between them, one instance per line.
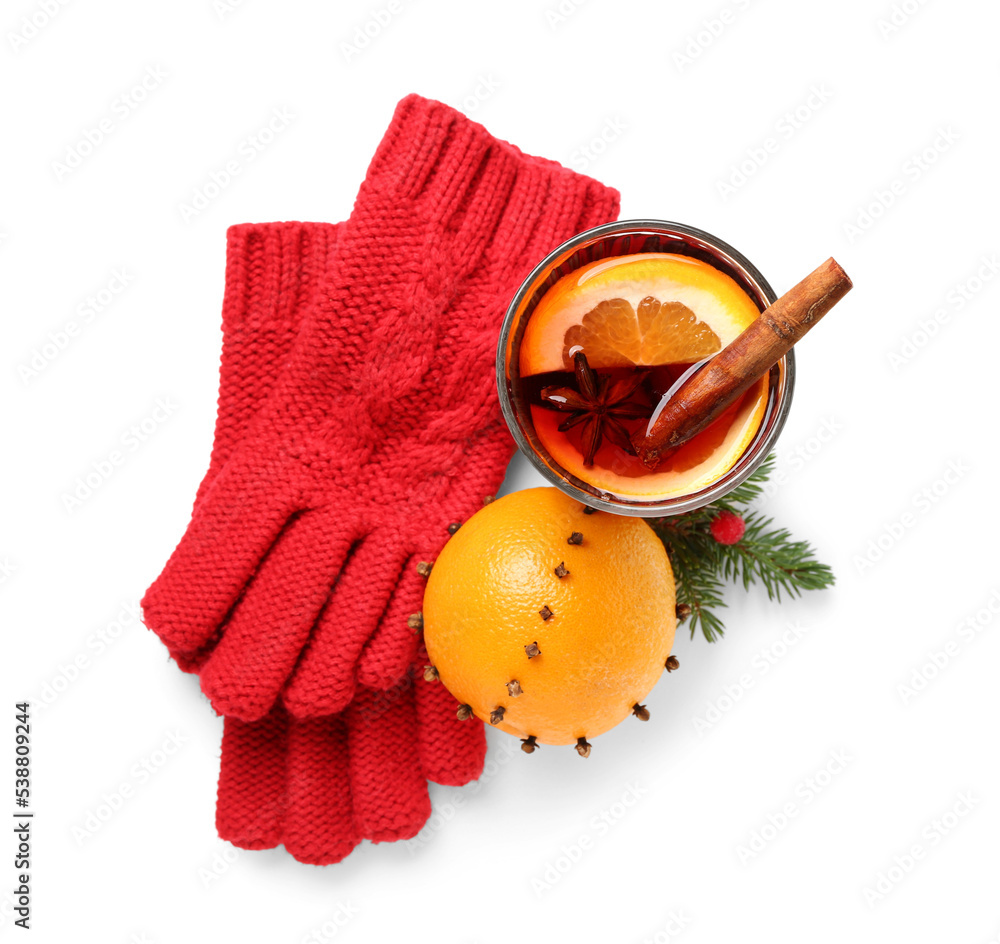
x=728 y=528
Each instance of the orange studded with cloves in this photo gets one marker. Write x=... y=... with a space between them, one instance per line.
x=550 y=622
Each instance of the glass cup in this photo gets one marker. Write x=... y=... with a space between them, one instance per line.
x=618 y=239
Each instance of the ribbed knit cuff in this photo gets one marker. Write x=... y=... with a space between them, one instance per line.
x=274 y=271
x=476 y=188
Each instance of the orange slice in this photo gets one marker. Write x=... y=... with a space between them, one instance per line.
x=644 y=309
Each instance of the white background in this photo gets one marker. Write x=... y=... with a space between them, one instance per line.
x=686 y=94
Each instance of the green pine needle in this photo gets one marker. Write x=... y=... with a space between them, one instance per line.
x=764 y=555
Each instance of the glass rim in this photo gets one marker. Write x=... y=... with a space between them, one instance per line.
x=760 y=446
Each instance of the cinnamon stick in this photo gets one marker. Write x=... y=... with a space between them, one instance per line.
x=732 y=371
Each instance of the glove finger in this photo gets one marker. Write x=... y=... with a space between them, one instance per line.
x=390 y=793
x=250 y=806
x=324 y=680
x=319 y=824
x=452 y=752
x=392 y=648
x=262 y=640
x=231 y=530
x=192 y=662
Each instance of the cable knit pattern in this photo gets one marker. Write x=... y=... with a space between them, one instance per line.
x=383 y=427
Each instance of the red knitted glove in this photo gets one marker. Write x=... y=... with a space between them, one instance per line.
x=285 y=780
x=274 y=272
x=320 y=785
x=382 y=430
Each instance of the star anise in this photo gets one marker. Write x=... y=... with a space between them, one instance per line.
x=599 y=404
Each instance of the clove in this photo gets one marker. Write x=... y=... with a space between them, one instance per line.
x=430 y=673
x=640 y=712
x=529 y=744
x=415 y=622
x=514 y=688
x=454 y=526
x=424 y=569
x=545 y=613
x=561 y=571
x=532 y=650
x=496 y=715
x=464 y=712
x=575 y=538
x=672 y=663
x=683 y=611
x=583 y=747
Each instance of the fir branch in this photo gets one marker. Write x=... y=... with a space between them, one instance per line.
x=764 y=555
x=702 y=593
x=696 y=575
x=746 y=493
x=771 y=557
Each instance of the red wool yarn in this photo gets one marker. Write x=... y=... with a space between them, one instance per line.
x=356 y=408
x=728 y=528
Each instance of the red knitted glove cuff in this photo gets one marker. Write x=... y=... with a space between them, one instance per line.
x=474 y=193
x=273 y=274
x=274 y=271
